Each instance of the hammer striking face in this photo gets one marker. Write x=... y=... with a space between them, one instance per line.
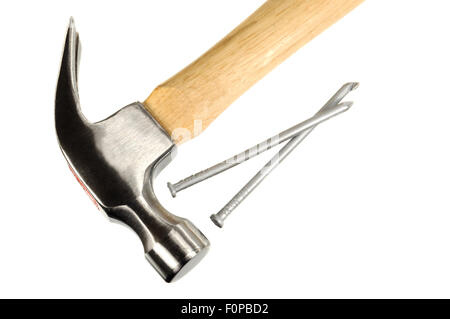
x=117 y=159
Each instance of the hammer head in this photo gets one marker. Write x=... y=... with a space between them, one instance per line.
x=116 y=161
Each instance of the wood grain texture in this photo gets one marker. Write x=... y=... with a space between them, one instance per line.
x=205 y=88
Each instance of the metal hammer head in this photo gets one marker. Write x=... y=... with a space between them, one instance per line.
x=115 y=161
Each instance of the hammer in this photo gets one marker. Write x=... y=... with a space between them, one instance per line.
x=116 y=160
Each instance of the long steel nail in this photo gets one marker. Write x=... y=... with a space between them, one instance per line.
x=331 y=109
x=223 y=214
x=219 y=218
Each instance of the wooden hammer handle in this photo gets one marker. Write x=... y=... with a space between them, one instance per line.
x=205 y=88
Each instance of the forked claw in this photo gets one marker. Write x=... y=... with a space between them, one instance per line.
x=68 y=115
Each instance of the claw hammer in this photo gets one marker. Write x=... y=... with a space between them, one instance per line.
x=116 y=160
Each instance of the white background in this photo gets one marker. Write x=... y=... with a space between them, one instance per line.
x=361 y=209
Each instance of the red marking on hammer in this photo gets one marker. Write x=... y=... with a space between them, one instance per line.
x=85 y=188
